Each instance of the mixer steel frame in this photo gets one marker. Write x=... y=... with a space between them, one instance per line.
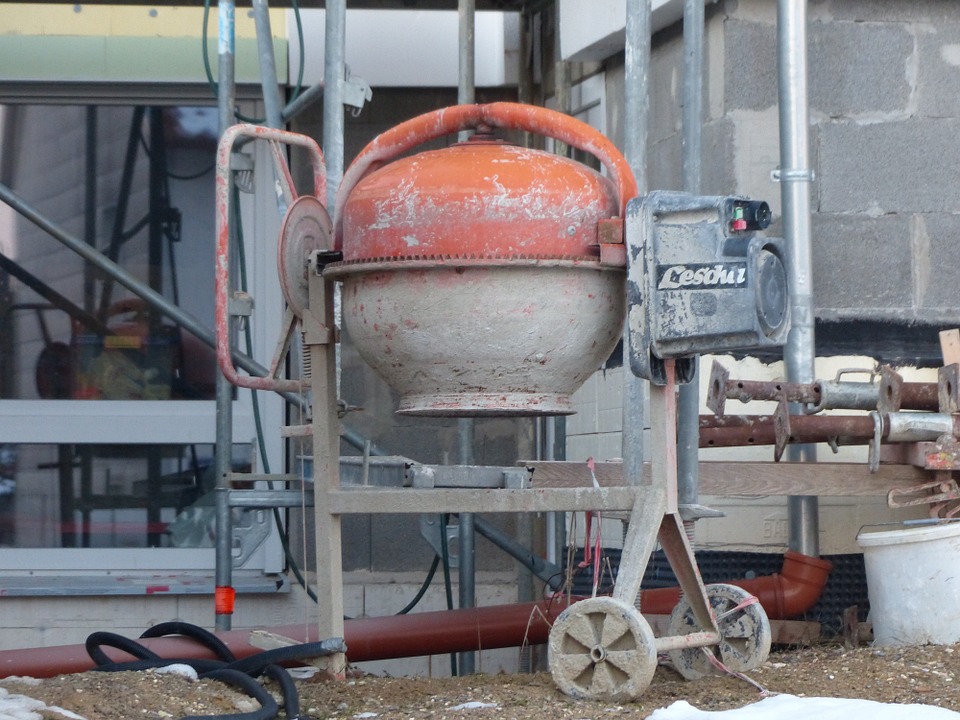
x=654 y=516
x=601 y=647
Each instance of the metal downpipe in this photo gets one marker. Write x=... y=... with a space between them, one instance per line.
x=636 y=123
x=795 y=188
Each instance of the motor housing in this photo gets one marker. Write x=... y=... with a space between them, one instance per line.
x=701 y=279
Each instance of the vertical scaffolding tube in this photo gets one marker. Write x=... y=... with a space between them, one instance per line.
x=637 y=110
x=272 y=102
x=688 y=429
x=467 y=12
x=466 y=94
x=324 y=359
x=224 y=391
x=526 y=532
x=333 y=80
x=795 y=183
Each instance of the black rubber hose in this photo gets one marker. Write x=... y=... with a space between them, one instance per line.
x=268 y=706
x=255 y=664
x=291 y=697
x=131 y=647
x=194 y=632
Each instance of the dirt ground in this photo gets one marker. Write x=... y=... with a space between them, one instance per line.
x=929 y=675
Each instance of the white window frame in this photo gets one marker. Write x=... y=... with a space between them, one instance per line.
x=161 y=422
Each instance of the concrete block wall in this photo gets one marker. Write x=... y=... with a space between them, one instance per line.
x=884 y=83
x=49 y=621
x=884 y=92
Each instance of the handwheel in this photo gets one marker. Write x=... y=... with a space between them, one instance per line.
x=745 y=633
x=602 y=649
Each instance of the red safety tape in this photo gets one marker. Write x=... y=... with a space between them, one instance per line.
x=223 y=599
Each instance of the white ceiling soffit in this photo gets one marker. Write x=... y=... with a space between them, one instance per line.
x=410 y=48
x=593 y=31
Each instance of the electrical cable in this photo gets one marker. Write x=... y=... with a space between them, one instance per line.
x=255 y=664
x=445 y=551
x=209 y=72
x=257 y=419
x=423 y=587
x=169 y=173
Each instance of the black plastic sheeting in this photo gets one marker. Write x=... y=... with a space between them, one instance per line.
x=898 y=343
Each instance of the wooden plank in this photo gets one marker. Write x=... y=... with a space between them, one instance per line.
x=750 y=478
x=950 y=346
x=377 y=500
x=826 y=479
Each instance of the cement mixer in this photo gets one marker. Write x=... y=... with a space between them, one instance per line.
x=488 y=279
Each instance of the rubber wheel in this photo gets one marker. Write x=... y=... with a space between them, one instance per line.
x=602 y=649
x=745 y=634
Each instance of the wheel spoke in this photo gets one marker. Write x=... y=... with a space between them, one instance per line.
x=574 y=665
x=604 y=684
x=623 y=660
x=738 y=627
x=583 y=629
x=734 y=653
x=614 y=628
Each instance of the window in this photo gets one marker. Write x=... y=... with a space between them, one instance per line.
x=107 y=420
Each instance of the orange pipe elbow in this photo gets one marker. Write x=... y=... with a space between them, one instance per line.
x=789 y=593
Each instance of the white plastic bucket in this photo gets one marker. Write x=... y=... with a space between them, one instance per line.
x=913 y=581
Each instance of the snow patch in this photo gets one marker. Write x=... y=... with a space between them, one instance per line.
x=790 y=707
x=21 y=707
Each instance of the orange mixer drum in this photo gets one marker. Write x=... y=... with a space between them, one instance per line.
x=472 y=276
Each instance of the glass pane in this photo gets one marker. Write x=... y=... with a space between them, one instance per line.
x=108 y=496
x=137 y=183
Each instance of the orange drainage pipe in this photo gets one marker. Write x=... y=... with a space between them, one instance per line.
x=395 y=636
x=788 y=593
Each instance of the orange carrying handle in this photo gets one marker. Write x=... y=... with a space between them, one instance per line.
x=511 y=116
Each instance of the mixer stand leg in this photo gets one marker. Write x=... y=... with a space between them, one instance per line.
x=602 y=648
x=676 y=546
